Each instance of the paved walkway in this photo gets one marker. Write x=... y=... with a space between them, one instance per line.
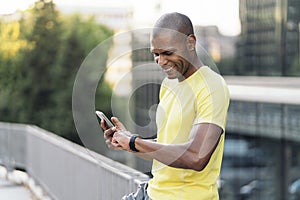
x=13 y=191
x=12 y=187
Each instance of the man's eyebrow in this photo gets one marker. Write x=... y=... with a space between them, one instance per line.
x=162 y=50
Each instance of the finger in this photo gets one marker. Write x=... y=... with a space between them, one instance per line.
x=109 y=133
x=114 y=142
x=104 y=126
x=118 y=124
x=115 y=147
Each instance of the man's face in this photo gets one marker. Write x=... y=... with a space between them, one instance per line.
x=171 y=53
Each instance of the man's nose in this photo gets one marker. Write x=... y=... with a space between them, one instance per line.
x=161 y=60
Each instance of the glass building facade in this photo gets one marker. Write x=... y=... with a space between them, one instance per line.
x=261 y=157
x=269 y=41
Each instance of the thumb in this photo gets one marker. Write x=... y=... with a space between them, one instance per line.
x=118 y=124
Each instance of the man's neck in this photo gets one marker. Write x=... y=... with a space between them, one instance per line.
x=191 y=70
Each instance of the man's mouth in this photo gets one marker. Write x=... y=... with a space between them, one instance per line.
x=168 y=69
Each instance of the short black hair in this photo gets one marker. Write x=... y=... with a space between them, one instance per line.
x=175 y=21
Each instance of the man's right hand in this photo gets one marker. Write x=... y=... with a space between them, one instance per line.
x=109 y=132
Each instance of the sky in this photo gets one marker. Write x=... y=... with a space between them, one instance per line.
x=222 y=13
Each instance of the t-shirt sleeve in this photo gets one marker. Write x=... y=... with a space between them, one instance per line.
x=162 y=89
x=212 y=105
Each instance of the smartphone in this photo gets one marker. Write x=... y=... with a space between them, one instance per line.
x=101 y=115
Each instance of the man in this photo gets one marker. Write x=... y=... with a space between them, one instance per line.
x=191 y=119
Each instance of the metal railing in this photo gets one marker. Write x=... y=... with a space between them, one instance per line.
x=277 y=121
x=64 y=170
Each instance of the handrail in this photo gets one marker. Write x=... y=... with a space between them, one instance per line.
x=64 y=169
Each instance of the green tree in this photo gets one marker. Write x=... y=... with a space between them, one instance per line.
x=38 y=74
x=13 y=43
x=36 y=85
x=76 y=46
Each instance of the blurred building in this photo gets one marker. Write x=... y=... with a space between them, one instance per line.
x=217 y=45
x=269 y=43
x=220 y=48
x=114 y=17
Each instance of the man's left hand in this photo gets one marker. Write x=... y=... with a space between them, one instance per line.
x=122 y=138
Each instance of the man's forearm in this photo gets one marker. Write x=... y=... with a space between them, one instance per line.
x=173 y=155
x=145 y=155
x=194 y=154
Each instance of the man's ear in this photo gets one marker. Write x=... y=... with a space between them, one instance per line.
x=191 y=42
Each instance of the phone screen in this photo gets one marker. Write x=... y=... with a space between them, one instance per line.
x=101 y=115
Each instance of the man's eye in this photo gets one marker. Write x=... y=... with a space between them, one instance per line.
x=168 y=53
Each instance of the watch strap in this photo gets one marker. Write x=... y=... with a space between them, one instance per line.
x=132 y=143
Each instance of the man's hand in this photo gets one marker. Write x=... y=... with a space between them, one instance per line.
x=109 y=133
x=122 y=138
x=108 y=136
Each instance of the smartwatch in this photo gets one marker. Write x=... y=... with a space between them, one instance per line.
x=132 y=143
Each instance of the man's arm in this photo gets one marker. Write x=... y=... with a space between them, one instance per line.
x=193 y=154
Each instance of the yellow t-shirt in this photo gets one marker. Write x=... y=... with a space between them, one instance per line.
x=201 y=98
